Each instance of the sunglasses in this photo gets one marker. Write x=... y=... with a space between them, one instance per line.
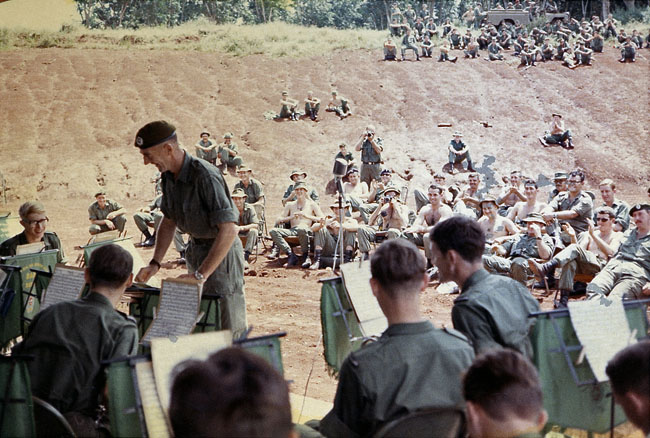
x=602 y=219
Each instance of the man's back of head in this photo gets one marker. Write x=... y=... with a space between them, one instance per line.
x=109 y=268
x=461 y=234
x=231 y=394
x=629 y=375
x=503 y=395
x=398 y=268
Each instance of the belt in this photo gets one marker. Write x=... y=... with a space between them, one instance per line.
x=198 y=241
x=371 y=162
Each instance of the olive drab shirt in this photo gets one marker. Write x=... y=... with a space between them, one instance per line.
x=313 y=194
x=248 y=216
x=66 y=370
x=622 y=211
x=526 y=246
x=635 y=250
x=492 y=311
x=253 y=192
x=411 y=366
x=582 y=204
x=368 y=153
x=51 y=240
x=98 y=214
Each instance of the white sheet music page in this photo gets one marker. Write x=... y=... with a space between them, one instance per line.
x=66 y=284
x=356 y=279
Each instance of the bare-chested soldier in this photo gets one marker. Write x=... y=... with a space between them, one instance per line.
x=356 y=192
x=511 y=194
x=300 y=214
x=587 y=254
x=429 y=215
x=494 y=226
x=531 y=205
x=471 y=195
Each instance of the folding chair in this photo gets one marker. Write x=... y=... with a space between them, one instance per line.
x=125 y=411
x=16 y=409
x=49 y=421
x=431 y=422
x=267 y=347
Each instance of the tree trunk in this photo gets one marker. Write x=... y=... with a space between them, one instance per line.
x=605 y=10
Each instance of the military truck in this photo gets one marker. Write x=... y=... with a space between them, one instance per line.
x=498 y=17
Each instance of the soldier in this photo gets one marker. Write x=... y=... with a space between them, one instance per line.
x=511 y=194
x=251 y=187
x=34 y=221
x=483 y=40
x=377 y=187
x=432 y=28
x=574 y=206
x=409 y=43
x=627 y=274
x=494 y=50
x=197 y=201
x=301 y=215
x=621 y=208
x=597 y=42
x=248 y=223
x=371 y=148
x=390 y=50
x=427 y=46
x=531 y=205
x=228 y=154
x=356 y=192
x=206 y=149
x=628 y=50
x=149 y=216
x=312 y=105
x=413 y=365
x=587 y=255
x=288 y=110
x=444 y=53
x=340 y=105
x=347 y=156
x=547 y=50
x=557 y=134
x=492 y=310
x=472 y=195
x=560 y=182
x=455 y=40
x=583 y=54
x=326 y=235
x=471 y=49
x=494 y=226
x=106 y=215
x=459 y=152
x=290 y=195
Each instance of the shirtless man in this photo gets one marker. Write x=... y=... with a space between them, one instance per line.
x=471 y=195
x=289 y=105
x=326 y=234
x=391 y=216
x=511 y=194
x=377 y=187
x=339 y=105
x=300 y=214
x=557 y=133
x=494 y=226
x=429 y=215
x=587 y=254
x=356 y=192
x=531 y=205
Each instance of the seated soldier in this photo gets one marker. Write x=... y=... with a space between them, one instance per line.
x=206 y=148
x=427 y=46
x=561 y=48
x=597 y=42
x=467 y=38
x=391 y=216
x=587 y=255
x=288 y=110
x=583 y=54
x=233 y=393
x=146 y=217
x=621 y=208
x=505 y=40
x=377 y=187
x=518 y=44
x=248 y=222
x=494 y=226
x=637 y=39
x=483 y=40
x=34 y=221
x=471 y=49
x=431 y=28
x=298 y=176
x=511 y=194
x=409 y=43
x=422 y=196
x=455 y=40
x=494 y=50
x=492 y=311
x=356 y=192
x=69 y=341
x=629 y=377
x=573 y=206
x=347 y=156
x=504 y=397
x=228 y=154
x=627 y=274
x=531 y=205
x=390 y=50
x=432 y=213
x=412 y=366
x=301 y=215
x=312 y=105
x=250 y=186
x=557 y=134
x=512 y=256
x=418 y=29
x=459 y=152
x=444 y=53
x=106 y=215
x=527 y=56
x=473 y=194
x=326 y=235
x=628 y=50
x=560 y=182
x=568 y=58
x=547 y=50
x=340 y=105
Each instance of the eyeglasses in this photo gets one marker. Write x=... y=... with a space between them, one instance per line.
x=38 y=222
x=602 y=219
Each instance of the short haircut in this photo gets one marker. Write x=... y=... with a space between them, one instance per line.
x=233 y=393
x=109 y=266
x=609 y=211
x=398 y=266
x=530 y=182
x=629 y=370
x=436 y=187
x=579 y=173
x=462 y=234
x=608 y=182
x=504 y=384
x=30 y=207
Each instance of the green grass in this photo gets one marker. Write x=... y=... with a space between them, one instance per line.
x=276 y=39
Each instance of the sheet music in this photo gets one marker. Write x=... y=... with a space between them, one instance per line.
x=166 y=354
x=67 y=284
x=154 y=417
x=356 y=279
x=177 y=309
x=30 y=248
x=602 y=329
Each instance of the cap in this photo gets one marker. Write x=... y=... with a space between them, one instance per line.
x=297 y=172
x=491 y=199
x=238 y=193
x=244 y=168
x=352 y=170
x=556 y=114
x=639 y=207
x=392 y=189
x=300 y=185
x=458 y=134
x=227 y=135
x=439 y=175
x=100 y=193
x=285 y=92
x=154 y=133
x=336 y=205
x=386 y=172
x=534 y=217
x=560 y=175
x=206 y=133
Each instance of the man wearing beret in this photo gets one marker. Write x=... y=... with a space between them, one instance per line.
x=196 y=199
x=228 y=154
x=106 y=215
x=627 y=275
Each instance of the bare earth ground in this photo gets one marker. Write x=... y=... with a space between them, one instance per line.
x=68 y=119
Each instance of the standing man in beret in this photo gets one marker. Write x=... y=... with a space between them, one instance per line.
x=197 y=201
x=106 y=215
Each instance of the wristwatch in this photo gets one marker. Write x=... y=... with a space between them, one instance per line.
x=198 y=276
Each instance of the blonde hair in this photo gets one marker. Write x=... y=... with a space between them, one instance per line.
x=30 y=207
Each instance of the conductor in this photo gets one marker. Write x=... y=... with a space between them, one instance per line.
x=197 y=201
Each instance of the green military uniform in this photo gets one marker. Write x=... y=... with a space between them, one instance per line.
x=313 y=194
x=303 y=233
x=209 y=156
x=411 y=366
x=69 y=341
x=96 y=213
x=370 y=161
x=581 y=204
x=519 y=251
x=324 y=239
x=625 y=274
x=155 y=216
x=575 y=259
x=254 y=191
x=198 y=201
x=247 y=217
x=51 y=240
x=226 y=158
x=492 y=311
x=622 y=211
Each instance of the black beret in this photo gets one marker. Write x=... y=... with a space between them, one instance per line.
x=154 y=133
x=639 y=207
